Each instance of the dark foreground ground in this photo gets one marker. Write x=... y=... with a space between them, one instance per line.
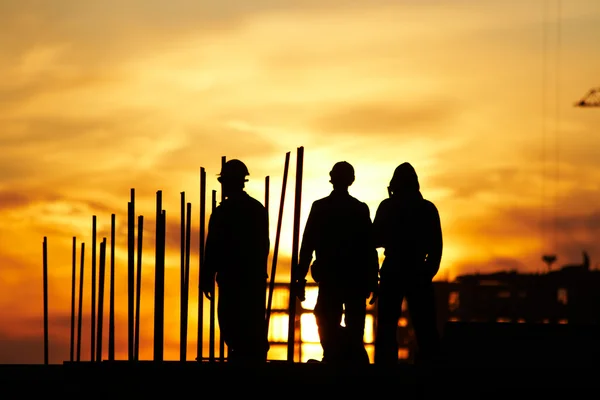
x=480 y=362
x=283 y=380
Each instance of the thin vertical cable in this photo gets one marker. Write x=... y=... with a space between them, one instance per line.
x=543 y=225
x=557 y=121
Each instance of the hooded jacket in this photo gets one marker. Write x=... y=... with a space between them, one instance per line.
x=408 y=227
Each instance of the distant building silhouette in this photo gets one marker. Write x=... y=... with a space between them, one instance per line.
x=569 y=295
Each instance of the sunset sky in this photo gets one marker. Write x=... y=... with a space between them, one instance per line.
x=99 y=97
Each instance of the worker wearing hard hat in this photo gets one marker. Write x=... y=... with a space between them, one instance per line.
x=236 y=255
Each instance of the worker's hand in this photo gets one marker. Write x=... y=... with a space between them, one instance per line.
x=208 y=288
x=374 y=295
x=300 y=289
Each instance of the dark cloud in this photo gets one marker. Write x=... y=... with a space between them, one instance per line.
x=17 y=93
x=28 y=350
x=18 y=347
x=78 y=206
x=16 y=264
x=490 y=266
x=12 y=199
x=519 y=170
x=572 y=149
x=102 y=28
x=579 y=226
x=80 y=152
x=569 y=231
x=570 y=222
x=466 y=182
x=24 y=344
x=384 y=119
x=569 y=254
x=573 y=220
x=75 y=133
x=205 y=144
x=184 y=12
x=69 y=150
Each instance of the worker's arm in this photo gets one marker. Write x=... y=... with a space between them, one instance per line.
x=211 y=254
x=434 y=240
x=307 y=248
x=372 y=258
x=380 y=223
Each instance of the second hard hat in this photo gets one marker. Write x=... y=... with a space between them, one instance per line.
x=234 y=170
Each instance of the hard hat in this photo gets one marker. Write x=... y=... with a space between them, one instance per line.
x=234 y=170
x=343 y=173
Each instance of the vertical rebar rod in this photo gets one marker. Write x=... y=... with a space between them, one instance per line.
x=93 y=294
x=266 y=205
x=294 y=265
x=73 y=285
x=45 y=287
x=211 y=332
x=200 y=335
x=222 y=349
x=138 y=291
x=80 y=307
x=102 y=267
x=163 y=244
x=181 y=276
x=277 y=236
x=186 y=277
x=159 y=280
x=130 y=271
x=267 y=179
x=111 y=306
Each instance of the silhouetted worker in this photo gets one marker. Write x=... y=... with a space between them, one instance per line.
x=338 y=231
x=237 y=249
x=408 y=227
